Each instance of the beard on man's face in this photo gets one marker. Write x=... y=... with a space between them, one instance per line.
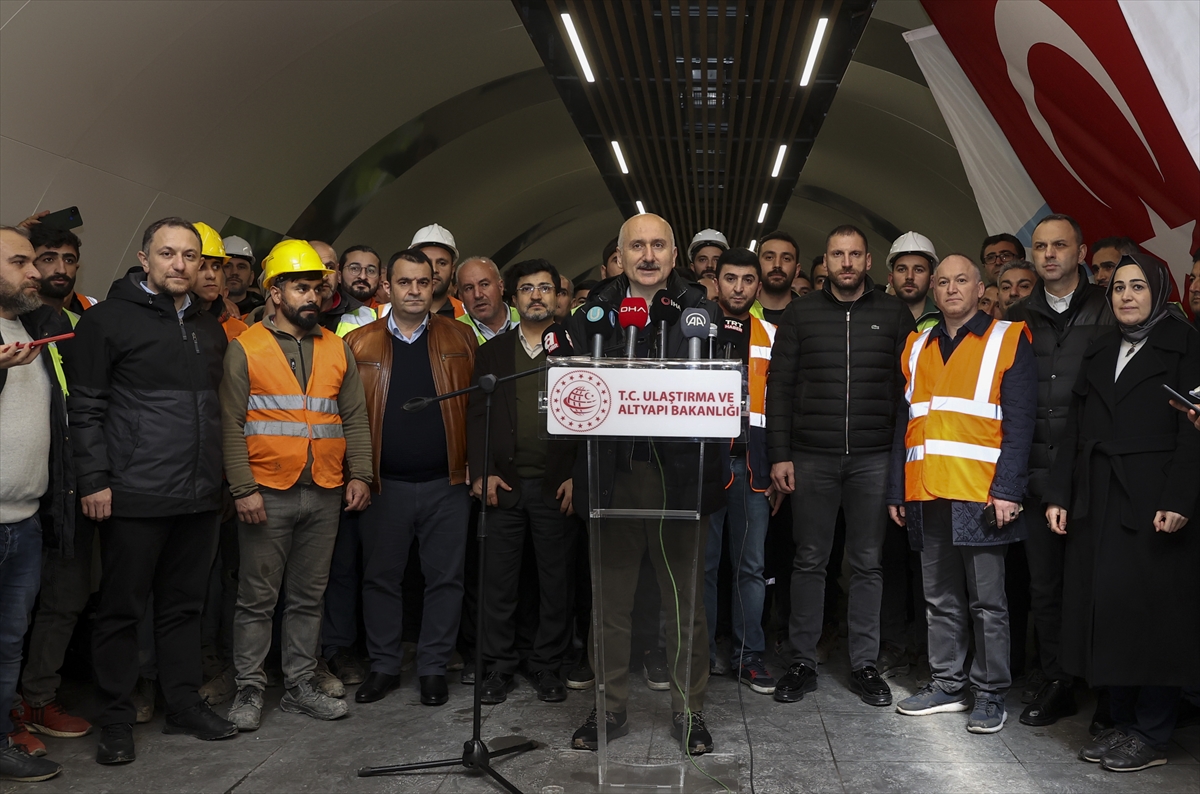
x=304 y=316
x=56 y=287
x=19 y=301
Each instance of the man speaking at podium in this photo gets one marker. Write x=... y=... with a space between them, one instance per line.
x=632 y=475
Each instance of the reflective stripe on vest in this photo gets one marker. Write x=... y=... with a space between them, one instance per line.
x=762 y=338
x=359 y=317
x=284 y=425
x=954 y=428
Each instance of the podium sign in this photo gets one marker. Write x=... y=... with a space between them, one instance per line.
x=644 y=400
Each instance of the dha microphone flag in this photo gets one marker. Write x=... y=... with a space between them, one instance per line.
x=556 y=342
x=634 y=313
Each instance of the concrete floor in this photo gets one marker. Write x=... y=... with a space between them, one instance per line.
x=829 y=742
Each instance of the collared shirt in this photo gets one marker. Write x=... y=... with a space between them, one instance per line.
x=1059 y=305
x=187 y=299
x=533 y=351
x=1126 y=353
x=396 y=332
x=488 y=333
x=978 y=325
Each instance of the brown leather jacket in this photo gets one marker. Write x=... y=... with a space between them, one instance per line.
x=452 y=357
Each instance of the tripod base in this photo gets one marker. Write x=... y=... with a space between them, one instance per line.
x=476 y=755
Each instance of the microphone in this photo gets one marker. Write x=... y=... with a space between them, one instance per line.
x=664 y=311
x=634 y=315
x=556 y=342
x=599 y=320
x=694 y=323
x=712 y=338
x=732 y=334
x=417 y=404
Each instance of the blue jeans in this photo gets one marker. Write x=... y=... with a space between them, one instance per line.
x=20 y=577
x=749 y=512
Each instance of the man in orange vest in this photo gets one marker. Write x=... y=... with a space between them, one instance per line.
x=293 y=419
x=739 y=274
x=959 y=471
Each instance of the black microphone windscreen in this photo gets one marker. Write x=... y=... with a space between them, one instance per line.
x=599 y=319
x=695 y=322
x=733 y=332
x=664 y=309
x=555 y=341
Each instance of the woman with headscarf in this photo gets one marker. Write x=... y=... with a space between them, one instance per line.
x=1122 y=490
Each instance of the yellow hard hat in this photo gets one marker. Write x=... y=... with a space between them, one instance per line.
x=210 y=241
x=291 y=256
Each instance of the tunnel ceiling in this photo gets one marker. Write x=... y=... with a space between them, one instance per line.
x=363 y=120
x=698 y=96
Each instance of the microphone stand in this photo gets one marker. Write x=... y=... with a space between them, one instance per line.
x=476 y=754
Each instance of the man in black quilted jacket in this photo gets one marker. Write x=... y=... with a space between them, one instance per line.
x=1065 y=314
x=831 y=406
x=144 y=372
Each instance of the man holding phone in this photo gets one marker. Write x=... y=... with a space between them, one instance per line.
x=32 y=432
x=959 y=470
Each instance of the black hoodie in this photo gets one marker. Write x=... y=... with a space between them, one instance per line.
x=143 y=403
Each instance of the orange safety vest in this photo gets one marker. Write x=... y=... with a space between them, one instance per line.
x=762 y=338
x=285 y=424
x=954 y=430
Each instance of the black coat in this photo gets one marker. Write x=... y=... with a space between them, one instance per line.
x=835 y=374
x=1059 y=341
x=679 y=459
x=497 y=357
x=58 y=504
x=143 y=403
x=1131 y=595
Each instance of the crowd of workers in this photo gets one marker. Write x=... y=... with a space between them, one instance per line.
x=980 y=442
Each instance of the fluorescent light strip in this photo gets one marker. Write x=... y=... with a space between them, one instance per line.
x=641 y=207
x=812 y=50
x=578 y=45
x=620 y=157
x=762 y=213
x=778 y=160
x=753 y=244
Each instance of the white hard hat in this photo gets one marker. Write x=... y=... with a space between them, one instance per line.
x=912 y=243
x=707 y=237
x=236 y=246
x=435 y=235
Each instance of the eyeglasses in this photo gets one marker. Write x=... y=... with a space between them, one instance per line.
x=544 y=289
x=999 y=256
x=357 y=269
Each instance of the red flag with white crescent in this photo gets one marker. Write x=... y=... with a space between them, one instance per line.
x=1068 y=85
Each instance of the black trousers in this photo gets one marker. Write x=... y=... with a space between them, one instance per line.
x=170 y=557
x=1148 y=711
x=553 y=547
x=1044 y=551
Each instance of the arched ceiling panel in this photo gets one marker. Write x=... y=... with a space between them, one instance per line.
x=489 y=186
x=885 y=147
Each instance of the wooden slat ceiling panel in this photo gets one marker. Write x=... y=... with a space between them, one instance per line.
x=699 y=94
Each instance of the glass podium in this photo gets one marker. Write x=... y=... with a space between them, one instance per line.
x=649 y=426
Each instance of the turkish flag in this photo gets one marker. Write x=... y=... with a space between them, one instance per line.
x=1067 y=84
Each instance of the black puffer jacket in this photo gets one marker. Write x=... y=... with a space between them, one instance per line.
x=1059 y=342
x=835 y=374
x=143 y=403
x=58 y=504
x=679 y=468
